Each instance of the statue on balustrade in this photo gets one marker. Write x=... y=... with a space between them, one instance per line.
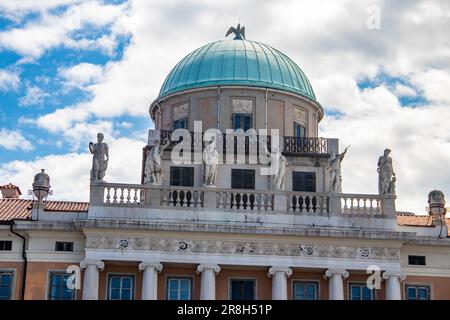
x=100 y=158
x=386 y=175
x=210 y=163
x=278 y=163
x=153 y=171
x=334 y=165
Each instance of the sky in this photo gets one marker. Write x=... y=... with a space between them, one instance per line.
x=71 y=68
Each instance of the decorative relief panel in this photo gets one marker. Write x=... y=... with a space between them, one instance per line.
x=181 y=111
x=242 y=105
x=245 y=248
x=300 y=116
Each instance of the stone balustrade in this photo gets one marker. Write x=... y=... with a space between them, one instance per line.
x=148 y=196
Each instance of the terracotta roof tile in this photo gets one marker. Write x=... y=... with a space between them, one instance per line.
x=11 y=186
x=21 y=208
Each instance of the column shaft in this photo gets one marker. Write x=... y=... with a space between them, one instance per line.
x=208 y=281
x=150 y=279
x=91 y=276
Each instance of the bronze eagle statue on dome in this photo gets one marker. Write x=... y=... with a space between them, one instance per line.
x=239 y=32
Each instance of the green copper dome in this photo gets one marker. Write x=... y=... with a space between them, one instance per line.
x=237 y=62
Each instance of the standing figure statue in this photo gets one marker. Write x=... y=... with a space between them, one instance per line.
x=386 y=175
x=279 y=163
x=100 y=158
x=210 y=163
x=334 y=165
x=153 y=170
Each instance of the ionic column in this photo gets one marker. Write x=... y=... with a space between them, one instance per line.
x=336 y=283
x=150 y=279
x=208 y=280
x=279 y=282
x=393 y=290
x=90 y=283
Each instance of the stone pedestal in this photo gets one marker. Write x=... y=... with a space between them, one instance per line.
x=393 y=288
x=90 y=283
x=150 y=279
x=336 y=283
x=208 y=281
x=279 y=282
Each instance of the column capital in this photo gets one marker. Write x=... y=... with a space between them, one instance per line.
x=391 y=274
x=275 y=269
x=203 y=267
x=150 y=264
x=330 y=272
x=87 y=262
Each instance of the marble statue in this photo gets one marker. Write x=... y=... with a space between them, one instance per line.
x=279 y=163
x=334 y=165
x=100 y=158
x=210 y=163
x=386 y=175
x=153 y=170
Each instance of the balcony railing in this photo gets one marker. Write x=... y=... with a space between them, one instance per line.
x=242 y=143
x=146 y=196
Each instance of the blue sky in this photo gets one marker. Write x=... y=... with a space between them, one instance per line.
x=72 y=68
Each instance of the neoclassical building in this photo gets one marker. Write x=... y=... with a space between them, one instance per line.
x=239 y=199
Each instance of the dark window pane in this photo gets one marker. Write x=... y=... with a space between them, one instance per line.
x=411 y=293
x=242 y=179
x=126 y=283
x=417 y=260
x=356 y=292
x=5 y=245
x=242 y=289
x=179 y=124
x=182 y=176
x=304 y=181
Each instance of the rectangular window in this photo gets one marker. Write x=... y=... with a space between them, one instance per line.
x=179 y=288
x=180 y=124
x=6 y=283
x=63 y=246
x=242 y=289
x=360 y=291
x=120 y=287
x=304 y=181
x=242 y=179
x=417 y=292
x=417 y=260
x=182 y=176
x=58 y=289
x=299 y=130
x=304 y=290
x=5 y=245
x=242 y=121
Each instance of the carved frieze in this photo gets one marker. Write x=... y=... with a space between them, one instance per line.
x=244 y=248
x=242 y=105
x=181 y=111
x=300 y=116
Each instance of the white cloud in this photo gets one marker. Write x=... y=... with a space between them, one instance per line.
x=8 y=80
x=14 y=140
x=34 y=96
x=69 y=173
x=81 y=75
x=435 y=84
x=404 y=91
x=53 y=30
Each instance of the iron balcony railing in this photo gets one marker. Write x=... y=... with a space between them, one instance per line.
x=241 y=143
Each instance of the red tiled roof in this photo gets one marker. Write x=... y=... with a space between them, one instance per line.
x=21 y=208
x=411 y=220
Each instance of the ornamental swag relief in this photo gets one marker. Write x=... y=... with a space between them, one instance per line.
x=245 y=248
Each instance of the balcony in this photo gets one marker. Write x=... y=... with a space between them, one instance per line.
x=245 y=143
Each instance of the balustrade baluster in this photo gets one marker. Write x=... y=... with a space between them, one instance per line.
x=115 y=196
x=108 y=196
